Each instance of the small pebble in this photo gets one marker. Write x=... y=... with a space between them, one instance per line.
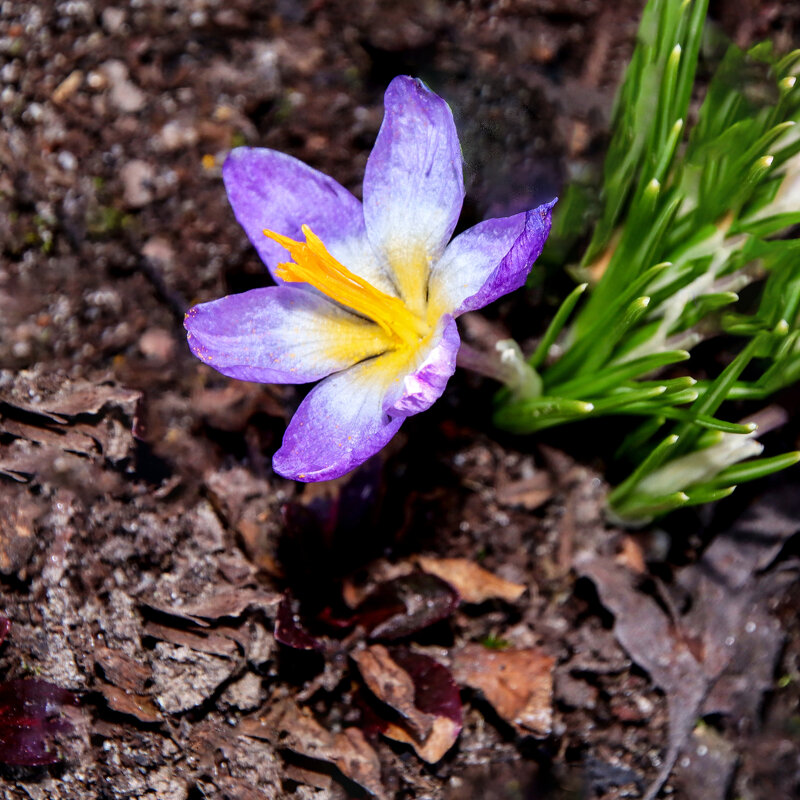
x=67 y=161
x=138 y=178
x=124 y=94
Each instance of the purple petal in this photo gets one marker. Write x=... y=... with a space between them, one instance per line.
x=351 y=415
x=423 y=387
x=488 y=261
x=413 y=186
x=340 y=424
x=280 y=334
x=271 y=190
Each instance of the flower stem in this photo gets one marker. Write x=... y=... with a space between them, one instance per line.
x=507 y=366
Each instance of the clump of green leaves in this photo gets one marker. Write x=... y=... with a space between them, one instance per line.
x=688 y=216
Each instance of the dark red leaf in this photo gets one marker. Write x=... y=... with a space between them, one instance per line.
x=310 y=522
x=435 y=690
x=360 y=497
x=289 y=631
x=347 y=506
x=30 y=714
x=330 y=617
x=405 y=605
x=329 y=532
x=370 y=722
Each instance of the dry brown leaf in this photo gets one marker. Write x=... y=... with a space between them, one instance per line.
x=123 y=671
x=518 y=684
x=232 y=603
x=441 y=738
x=227 y=603
x=529 y=493
x=631 y=554
x=82 y=397
x=135 y=705
x=62 y=438
x=58 y=398
x=289 y=726
x=706 y=770
x=200 y=641
x=720 y=655
x=73 y=417
x=473 y=583
x=307 y=777
x=421 y=691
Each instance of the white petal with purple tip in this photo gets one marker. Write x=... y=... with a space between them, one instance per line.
x=271 y=190
x=353 y=414
x=424 y=386
x=413 y=185
x=487 y=261
x=339 y=425
x=280 y=334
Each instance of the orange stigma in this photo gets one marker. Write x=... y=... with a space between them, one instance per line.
x=313 y=264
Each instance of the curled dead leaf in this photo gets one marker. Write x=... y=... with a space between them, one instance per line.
x=391 y=684
x=405 y=605
x=421 y=691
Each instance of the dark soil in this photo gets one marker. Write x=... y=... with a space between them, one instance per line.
x=134 y=480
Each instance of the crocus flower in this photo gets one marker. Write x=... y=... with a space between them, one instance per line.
x=367 y=293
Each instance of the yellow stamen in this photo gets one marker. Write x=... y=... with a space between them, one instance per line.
x=313 y=264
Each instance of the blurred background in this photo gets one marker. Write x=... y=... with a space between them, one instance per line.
x=116 y=119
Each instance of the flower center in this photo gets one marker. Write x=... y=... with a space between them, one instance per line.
x=313 y=264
